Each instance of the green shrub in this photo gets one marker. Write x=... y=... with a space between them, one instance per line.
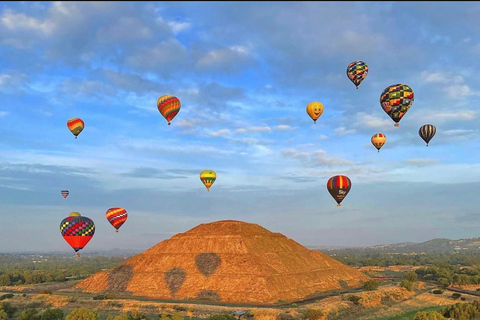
x=437 y=291
x=313 y=314
x=371 y=285
x=6 y=296
x=456 y=295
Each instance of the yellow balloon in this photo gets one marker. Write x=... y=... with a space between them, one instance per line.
x=208 y=178
x=74 y=214
x=378 y=140
x=315 y=110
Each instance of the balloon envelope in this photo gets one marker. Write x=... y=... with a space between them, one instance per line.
x=208 y=177
x=75 y=125
x=74 y=214
x=315 y=110
x=378 y=140
x=396 y=100
x=116 y=217
x=168 y=106
x=427 y=132
x=339 y=186
x=357 y=71
x=64 y=193
x=77 y=231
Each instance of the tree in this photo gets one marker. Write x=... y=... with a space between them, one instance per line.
x=407 y=284
x=3 y=314
x=82 y=314
x=371 y=285
x=429 y=315
x=29 y=314
x=52 y=314
x=410 y=276
x=136 y=315
x=7 y=307
x=444 y=282
x=5 y=280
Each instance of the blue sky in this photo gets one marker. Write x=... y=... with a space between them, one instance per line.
x=244 y=73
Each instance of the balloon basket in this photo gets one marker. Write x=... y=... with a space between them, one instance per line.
x=75 y=137
x=168 y=123
x=396 y=124
x=339 y=205
x=357 y=87
x=77 y=255
x=314 y=121
x=116 y=230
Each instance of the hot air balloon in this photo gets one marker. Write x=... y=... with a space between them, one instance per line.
x=75 y=125
x=357 y=71
x=208 y=178
x=315 y=110
x=116 y=217
x=426 y=132
x=168 y=106
x=339 y=186
x=396 y=100
x=77 y=231
x=64 y=193
x=378 y=140
x=74 y=214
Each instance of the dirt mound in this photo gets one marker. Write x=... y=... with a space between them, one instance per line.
x=227 y=261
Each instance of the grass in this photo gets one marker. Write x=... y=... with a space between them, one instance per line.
x=411 y=314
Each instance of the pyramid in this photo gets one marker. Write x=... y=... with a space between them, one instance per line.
x=230 y=262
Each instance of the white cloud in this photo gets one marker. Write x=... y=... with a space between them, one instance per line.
x=454 y=85
x=458 y=115
x=220 y=133
x=254 y=129
x=3 y=114
x=19 y=21
x=316 y=157
x=421 y=162
x=178 y=27
x=370 y=121
x=284 y=127
x=457 y=132
x=342 y=131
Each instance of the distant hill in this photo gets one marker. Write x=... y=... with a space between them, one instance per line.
x=438 y=246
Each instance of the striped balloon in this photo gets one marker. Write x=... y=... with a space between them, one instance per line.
x=378 y=140
x=64 y=193
x=208 y=177
x=116 y=217
x=339 y=186
x=168 y=106
x=426 y=132
x=75 y=125
x=77 y=231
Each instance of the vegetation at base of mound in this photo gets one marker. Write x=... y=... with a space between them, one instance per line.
x=32 y=269
x=445 y=269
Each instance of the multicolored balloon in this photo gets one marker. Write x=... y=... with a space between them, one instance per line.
x=208 y=177
x=396 y=100
x=378 y=140
x=339 y=186
x=75 y=125
x=315 y=110
x=426 y=132
x=64 y=193
x=357 y=71
x=168 y=106
x=77 y=231
x=116 y=217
